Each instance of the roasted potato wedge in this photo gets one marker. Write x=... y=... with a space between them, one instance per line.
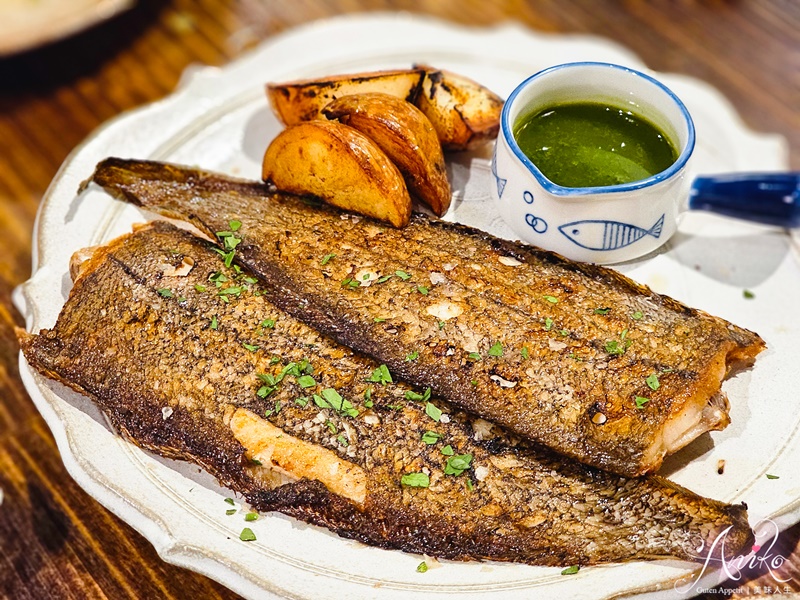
x=406 y=136
x=339 y=165
x=464 y=113
x=303 y=100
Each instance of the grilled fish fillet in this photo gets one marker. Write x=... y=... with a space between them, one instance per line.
x=573 y=356
x=188 y=358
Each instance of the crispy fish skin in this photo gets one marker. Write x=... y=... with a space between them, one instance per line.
x=573 y=356
x=176 y=369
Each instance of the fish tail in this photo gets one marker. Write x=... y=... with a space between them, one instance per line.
x=655 y=230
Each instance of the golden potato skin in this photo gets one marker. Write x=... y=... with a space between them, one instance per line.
x=464 y=113
x=407 y=137
x=339 y=165
x=302 y=100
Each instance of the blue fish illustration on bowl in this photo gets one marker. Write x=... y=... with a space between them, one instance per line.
x=596 y=234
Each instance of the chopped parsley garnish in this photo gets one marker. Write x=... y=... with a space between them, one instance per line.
x=330 y=398
x=351 y=283
x=524 y=352
x=383 y=279
x=218 y=278
x=496 y=349
x=470 y=487
x=748 y=294
x=772 y=476
x=199 y=288
x=652 y=382
x=165 y=292
x=214 y=322
x=368 y=398
x=433 y=412
x=564 y=332
x=230 y=511
x=327 y=258
x=302 y=401
x=440 y=324
x=615 y=347
x=264 y=391
x=333 y=398
x=548 y=324
x=571 y=570
x=251 y=516
x=229 y=501
x=230 y=241
x=251 y=347
x=422 y=567
x=267 y=323
x=637 y=315
x=268 y=379
x=448 y=450
x=234 y=290
x=415 y=480
x=412 y=356
x=306 y=381
x=247 y=535
x=403 y=275
x=422 y=290
x=378 y=320
x=274 y=360
x=601 y=311
x=293 y=368
x=424 y=397
x=234 y=225
x=457 y=464
x=249 y=280
x=342 y=440
x=641 y=401
x=331 y=427
x=551 y=299
x=474 y=355
x=381 y=375
x=431 y=437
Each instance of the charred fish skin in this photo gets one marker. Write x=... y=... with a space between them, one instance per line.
x=199 y=365
x=576 y=357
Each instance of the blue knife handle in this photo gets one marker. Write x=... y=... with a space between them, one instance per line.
x=770 y=198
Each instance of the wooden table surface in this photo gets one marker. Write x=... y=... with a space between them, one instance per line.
x=56 y=541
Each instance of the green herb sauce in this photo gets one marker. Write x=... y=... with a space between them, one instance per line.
x=591 y=144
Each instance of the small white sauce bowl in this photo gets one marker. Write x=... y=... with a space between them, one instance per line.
x=592 y=224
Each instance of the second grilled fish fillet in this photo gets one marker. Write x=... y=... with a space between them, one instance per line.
x=187 y=358
x=576 y=357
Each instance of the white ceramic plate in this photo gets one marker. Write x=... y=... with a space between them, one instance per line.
x=220 y=120
x=25 y=24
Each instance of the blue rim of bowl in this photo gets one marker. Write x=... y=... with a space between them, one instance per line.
x=560 y=190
